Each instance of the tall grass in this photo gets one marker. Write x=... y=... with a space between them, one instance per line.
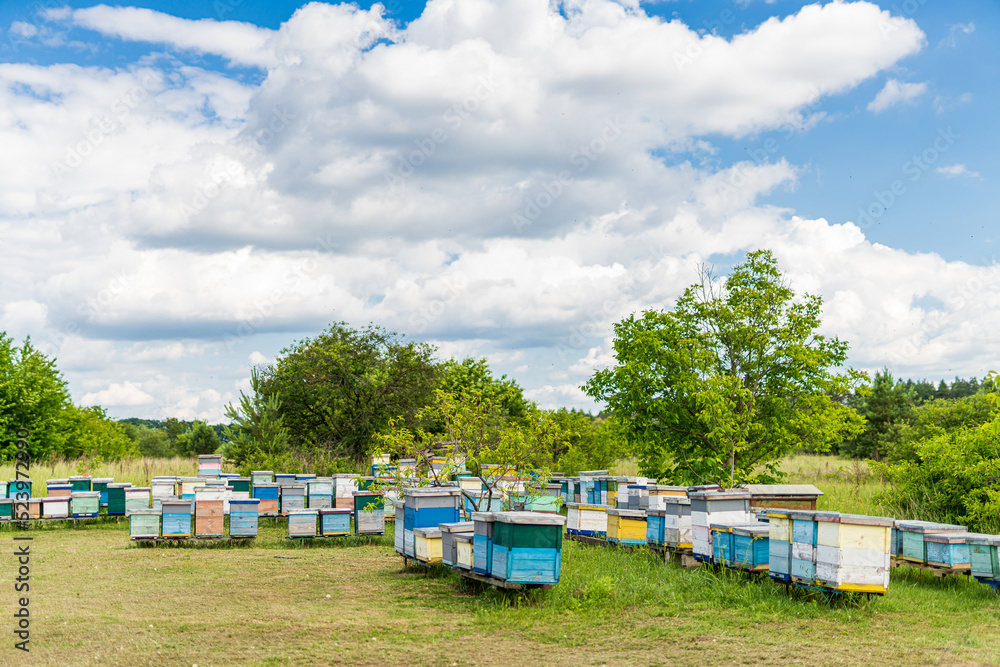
x=136 y=471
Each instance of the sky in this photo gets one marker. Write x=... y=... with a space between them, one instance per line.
x=188 y=188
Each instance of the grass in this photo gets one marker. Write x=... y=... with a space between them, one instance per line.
x=136 y=471
x=98 y=599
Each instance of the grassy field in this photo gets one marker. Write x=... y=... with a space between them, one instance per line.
x=97 y=599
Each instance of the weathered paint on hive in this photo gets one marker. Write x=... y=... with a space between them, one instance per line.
x=144 y=523
x=85 y=504
x=463 y=548
x=427 y=545
x=55 y=508
x=335 y=521
x=244 y=518
x=302 y=522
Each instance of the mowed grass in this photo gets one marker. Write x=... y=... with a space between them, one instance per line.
x=99 y=599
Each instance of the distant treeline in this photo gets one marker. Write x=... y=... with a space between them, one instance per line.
x=174 y=437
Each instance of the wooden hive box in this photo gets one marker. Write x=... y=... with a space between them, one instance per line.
x=85 y=504
x=481 y=501
x=948 y=550
x=243 y=515
x=463 y=551
x=593 y=520
x=677 y=522
x=209 y=518
x=673 y=491
x=19 y=489
x=100 y=484
x=209 y=465
x=284 y=479
x=482 y=541
x=803 y=561
x=302 y=522
x=428 y=508
x=240 y=488
x=293 y=497
x=722 y=544
x=708 y=507
x=626 y=526
x=751 y=547
x=55 y=508
x=369 y=513
x=335 y=521
x=343 y=490
x=144 y=524
x=163 y=487
x=176 y=516
x=656 y=524
x=81 y=482
x=852 y=552
x=116 y=498
x=269 y=497
x=261 y=477
x=984 y=563
x=59 y=490
x=189 y=485
x=398 y=531
x=4 y=493
x=320 y=493
x=572 y=518
x=35 y=508
x=779 y=527
x=58 y=481
x=449 y=547
x=784 y=496
x=910 y=537
x=470 y=483
x=304 y=478
x=6 y=509
x=527 y=547
x=427 y=545
x=136 y=498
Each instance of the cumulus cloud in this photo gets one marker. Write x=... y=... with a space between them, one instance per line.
x=896 y=93
x=955 y=170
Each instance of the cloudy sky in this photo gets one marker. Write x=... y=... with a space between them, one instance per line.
x=186 y=188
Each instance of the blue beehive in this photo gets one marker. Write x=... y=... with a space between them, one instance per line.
x=910 y=537
x=803 y=538
x=243 y=516
x=948 y=550
x=722 y=544
x=527 y=547
x=19 y=489
x=427 y=508
x=176 y=518
x=656 y=521
x=334 y=522
x=751 y=547
x=482 y=547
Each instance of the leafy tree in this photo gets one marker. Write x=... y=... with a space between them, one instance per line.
x=887 y=408
x=151 y=442
x=91 y=434
x=174 y=428
x=941 y=417
x=256 y=433
x=579 y=441
x=729 y=381
x=341 y=389
x=201 y=439
x=473 y=379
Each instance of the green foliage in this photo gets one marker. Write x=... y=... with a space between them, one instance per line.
x=342 y=388
x=200 y=439
x=472 y=379
x=578 y=441
x=256 y=434
x=151 y=442
x=887 y=408
x=92 y=435
x=731 y=380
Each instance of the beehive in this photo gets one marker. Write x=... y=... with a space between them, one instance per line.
x=189 y=485
x=302 y=522
x=293 y=497
x=910 y=536
x=81 y=482
x=59 y=490
x=527 y=547
x=779 y=545
x=626 y=526
x=57 y=481
x=19 y=489
x=852 y=551
x=677 y=522
x=243 y=516
x=269 y=497
x=240 y=488
x=722 y=544
x=369 y=514
x=3 y=489
x=948 y=550
x=116 y=498
x=708 y=507
x=656 y=527
x=470 y=484
x=803 y=561
x=784 y=496
x=449 y=547
x=144 y=524
x=984 y=564
x=284 y=479
x=209 y=465
x=176 y=516
x=163 y=487
x=136 y=498
x=751 y=547
x=463 y=550
x=398 y=531
x=84 y=504
x=55 y=508
x=482 y=541
x=304 y=478
x=344 y=487
x=593 y=520
x=209 y=517
x=34 y=508
x=6 y=509
x=481 y=501
x=335 y=522
x=320 y=493
x=427 y=545
x=100 y=484
x=425 y=508
x=261 y=477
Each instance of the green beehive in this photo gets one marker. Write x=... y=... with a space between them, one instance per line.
x=144 y=524
x=84 y=504
x=6 y=509
x=240 y=485
x=81 y=482
x=116 y=498
x=100 y=484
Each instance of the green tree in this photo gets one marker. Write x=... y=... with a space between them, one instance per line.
x=151 y=442
x=256 y=433
x=201 y=439
x=473 y=379
x=174 y=428
x=91 y=434
x=887 y=408
x=729 y=381
x=342 y=388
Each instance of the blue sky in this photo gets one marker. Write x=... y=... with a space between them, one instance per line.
x=192 y=185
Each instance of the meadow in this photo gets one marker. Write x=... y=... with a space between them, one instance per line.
x=98 y=599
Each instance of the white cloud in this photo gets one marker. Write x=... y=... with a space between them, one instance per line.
x=895 y=93
x=22 y=29
x=118 y=394
x=951 y=39
x=955 y=170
